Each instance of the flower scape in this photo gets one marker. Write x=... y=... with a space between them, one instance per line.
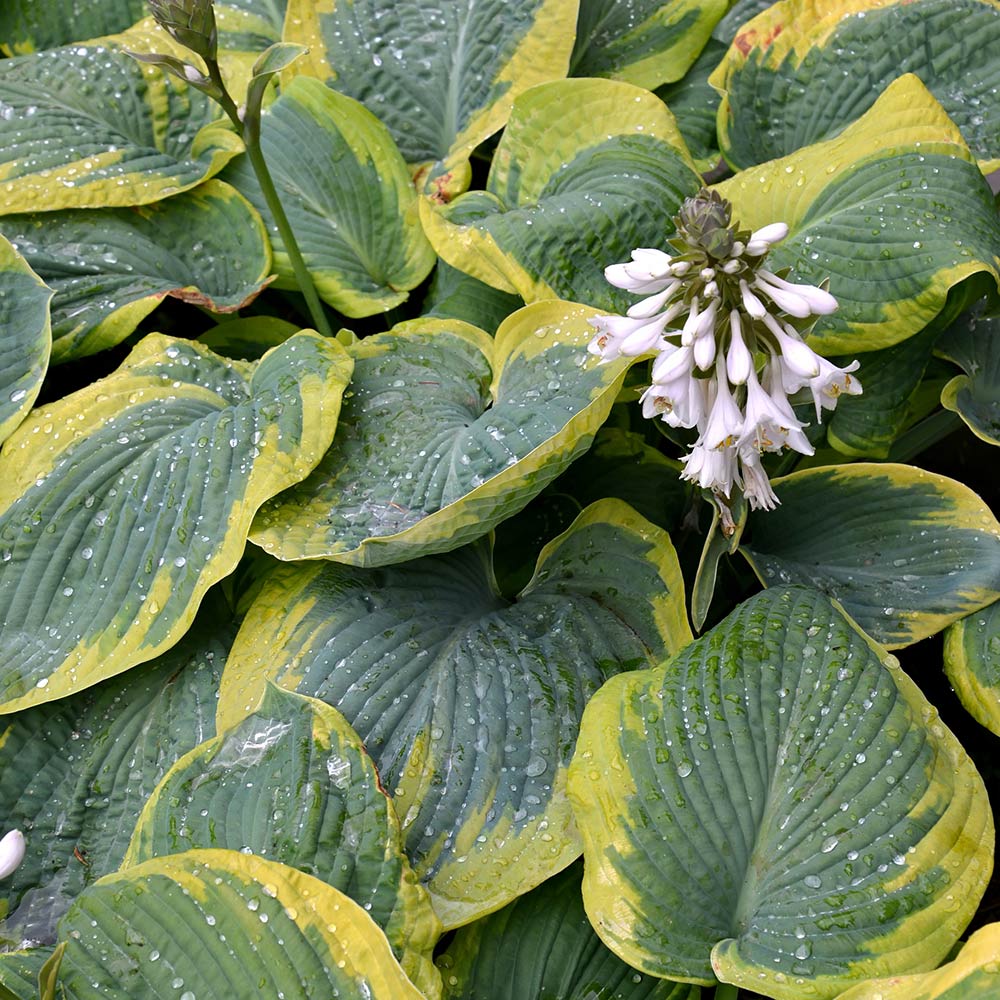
x=728 y=337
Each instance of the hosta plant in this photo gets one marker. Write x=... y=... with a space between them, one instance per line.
x=497 y=499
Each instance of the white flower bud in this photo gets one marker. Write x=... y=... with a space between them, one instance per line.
x=753 y=306
x=739 y=362
x=773 y=233
x=11 y=852
x=799 y=357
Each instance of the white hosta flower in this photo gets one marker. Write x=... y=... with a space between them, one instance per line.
x=831 y=383
x=11 y=852
x=756 y=486
x=770 y=423
x=725 y=420
x=711 y=468
x=617 y=335
x=728 y=349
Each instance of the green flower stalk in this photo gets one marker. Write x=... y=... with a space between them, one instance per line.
x=192 y=24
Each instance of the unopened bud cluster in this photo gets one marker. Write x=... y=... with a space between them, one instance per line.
x=728 y=338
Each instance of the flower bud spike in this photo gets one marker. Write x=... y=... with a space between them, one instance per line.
x=739 y=362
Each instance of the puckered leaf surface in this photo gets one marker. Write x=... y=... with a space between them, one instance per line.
x=109 y=268
x=74 y=774
x=218 y=923
x=292 y=783
x=542 y=945
x=469 y=703
x=348 y=197
x=442 y=78
x=906 y=552
x=801 y=70
x=586 y=171
x=894 y=211
x=446 y=432
x=122 y=503
x=778 y=807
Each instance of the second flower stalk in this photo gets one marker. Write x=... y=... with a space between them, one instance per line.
x=728 y=337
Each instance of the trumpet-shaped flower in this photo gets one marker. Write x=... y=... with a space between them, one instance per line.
x=729 y=340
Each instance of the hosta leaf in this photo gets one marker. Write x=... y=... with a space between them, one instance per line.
x=88 y=126
x=19 y=972
x=973 y=975
x=455 y=295
x=586 y=171
x=441 y=79
x=122 y=503
x=348 y=197
x=25 y=337
x=867 y=425
x=109 y=268
x=75 y=773
x=30 y=25
x=542 y=946
x=894 y=211
x=972 y=663
x=906 y=552
x=781 y=799
x=645 y=42
x=291 y=782
x=801 y=70
x=469 y=703
x=445 y=433
x=973 y=343
x=219 y=923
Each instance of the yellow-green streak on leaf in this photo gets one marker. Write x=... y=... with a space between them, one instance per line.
x=905 y=551
x=243 y=790
x=122 y=503
x=441 y=85
x=455 y=690
x=447 y=431
x=864 y=210
x=719 y=799
x=225 y=923
x=972 y=663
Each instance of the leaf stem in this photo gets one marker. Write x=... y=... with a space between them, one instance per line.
x=727 y=991
x=249 y=129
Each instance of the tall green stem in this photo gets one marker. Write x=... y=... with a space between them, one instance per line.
x=250 y=130
x=727 y=991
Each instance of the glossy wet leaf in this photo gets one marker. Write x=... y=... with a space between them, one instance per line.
x=801 y=70
x=894 y=211
x=109 y=268
x=25 y=336
x=441 y=78
x=88 y=126
x=469 y=703
x=445 y=432
x=249 y=25
x=348 y=197
x=542 y=946
x=906 y=552
x=973 y=975
x=972 y=663
x=19 y=972
x=31 y=25
x=292 y=783
x=122 y=503
x=645 y=42
x=248 y=338
x=586 y=171
x=74 y=774
x=219 y=923
x=779 y=807
x=973 y=343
